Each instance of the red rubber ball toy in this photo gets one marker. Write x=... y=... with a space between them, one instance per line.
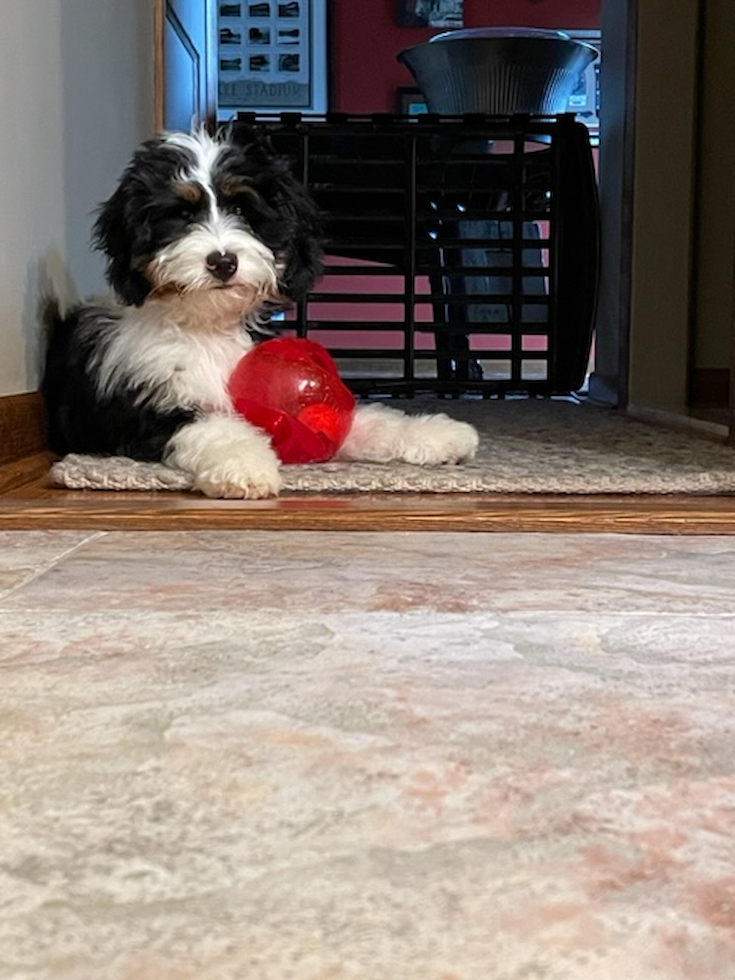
x=291 y=388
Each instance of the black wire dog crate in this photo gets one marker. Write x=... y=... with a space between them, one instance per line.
x=462 y=253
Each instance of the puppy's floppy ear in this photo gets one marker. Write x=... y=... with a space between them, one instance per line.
x=295 y=233
x=301 y=255
x=113 y=234
x=254 y=142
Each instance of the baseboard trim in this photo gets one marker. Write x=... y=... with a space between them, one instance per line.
x=710 y=387
x=22 y=426
x=679 y=422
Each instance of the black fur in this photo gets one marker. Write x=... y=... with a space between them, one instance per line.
x=78 y=419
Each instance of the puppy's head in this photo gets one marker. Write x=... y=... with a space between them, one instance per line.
x=194 y=213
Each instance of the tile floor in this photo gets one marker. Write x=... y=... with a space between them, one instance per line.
x=302 y=756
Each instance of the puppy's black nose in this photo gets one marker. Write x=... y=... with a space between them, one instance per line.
x=223 y=265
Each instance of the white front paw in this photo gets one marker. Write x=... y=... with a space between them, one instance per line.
x=244 y=479
x=226 y=457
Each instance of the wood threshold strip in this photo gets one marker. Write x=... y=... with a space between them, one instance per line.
x=105 y=510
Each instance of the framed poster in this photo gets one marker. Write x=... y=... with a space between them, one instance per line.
x=431 y=13
x=272 y=56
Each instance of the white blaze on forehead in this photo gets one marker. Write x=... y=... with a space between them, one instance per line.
x=205 y=152
x=183 y=262
x=202 y=147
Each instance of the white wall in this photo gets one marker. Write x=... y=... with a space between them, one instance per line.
x=77 y=84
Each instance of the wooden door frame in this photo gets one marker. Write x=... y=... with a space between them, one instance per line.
x=159 y=62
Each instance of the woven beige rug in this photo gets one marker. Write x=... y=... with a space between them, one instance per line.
x=526 y=446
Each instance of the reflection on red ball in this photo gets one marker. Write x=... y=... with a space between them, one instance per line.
x=291 y=388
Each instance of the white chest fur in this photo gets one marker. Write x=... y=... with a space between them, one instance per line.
x=171 y=360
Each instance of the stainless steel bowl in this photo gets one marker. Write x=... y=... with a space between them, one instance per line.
x=499 y=71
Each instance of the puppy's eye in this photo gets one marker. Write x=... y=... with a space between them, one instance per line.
x=237 y=209
x=186 y=215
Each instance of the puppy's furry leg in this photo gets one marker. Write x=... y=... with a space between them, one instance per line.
x=380 y=434
x=227 y=457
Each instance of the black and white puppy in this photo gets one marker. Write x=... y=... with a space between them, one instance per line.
x=204 y=238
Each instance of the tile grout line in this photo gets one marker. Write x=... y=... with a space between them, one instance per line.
x=38 y=572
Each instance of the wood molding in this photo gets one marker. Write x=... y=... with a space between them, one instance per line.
x=159 y=64
x=17 y=475
x=208 y=68
x=22 y=426
x=211 y=65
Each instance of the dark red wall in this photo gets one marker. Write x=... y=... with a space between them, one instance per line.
x=366 y=39
x=582 y=14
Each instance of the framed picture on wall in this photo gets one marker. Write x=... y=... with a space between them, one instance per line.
x=431 y=13
x=272 y=56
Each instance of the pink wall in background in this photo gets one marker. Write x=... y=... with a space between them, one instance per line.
x=366 y=38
